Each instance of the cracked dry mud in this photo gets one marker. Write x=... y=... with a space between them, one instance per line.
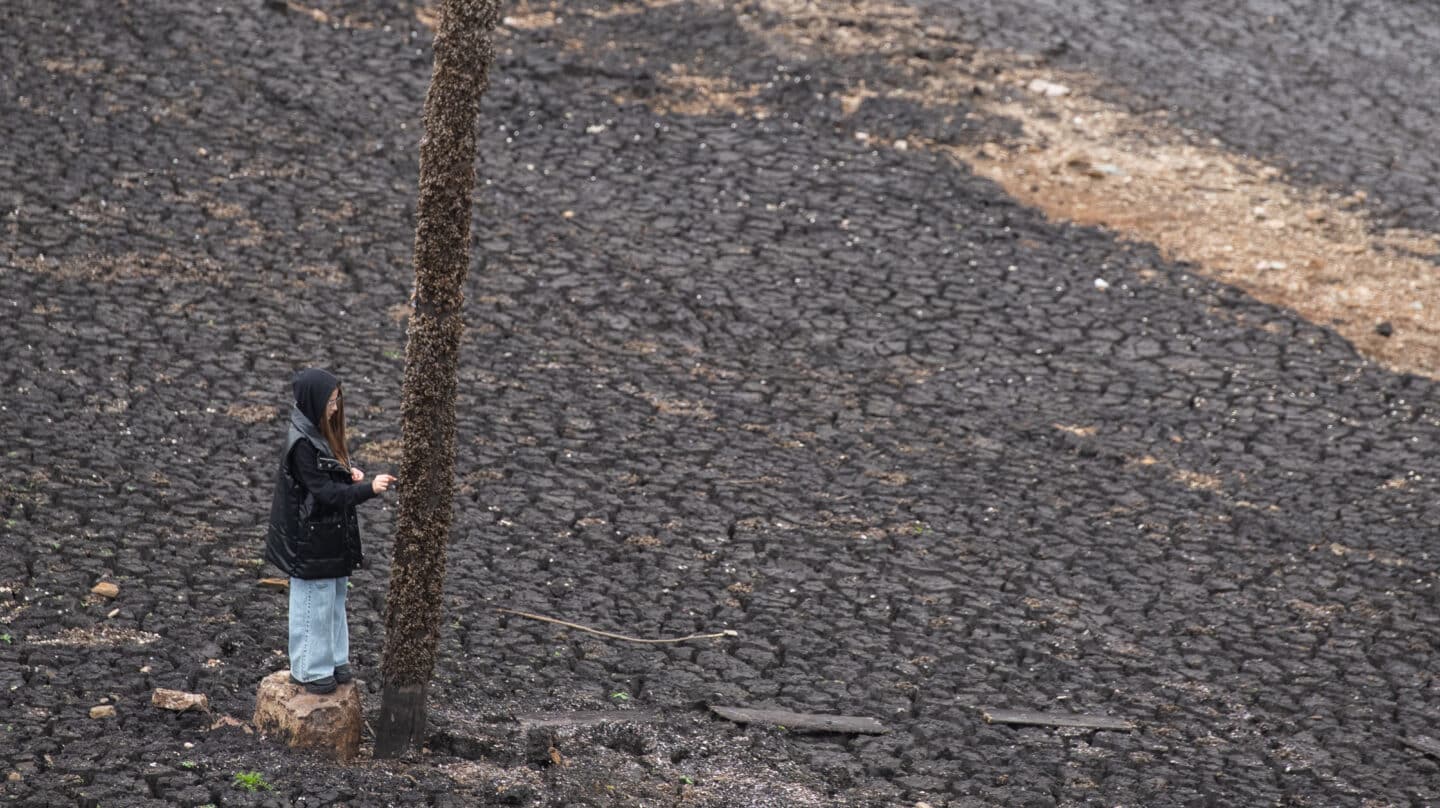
x=732 y=365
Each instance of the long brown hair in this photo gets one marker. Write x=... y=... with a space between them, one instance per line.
x=333 y=429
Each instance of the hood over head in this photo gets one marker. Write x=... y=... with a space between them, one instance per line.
x=313 y=387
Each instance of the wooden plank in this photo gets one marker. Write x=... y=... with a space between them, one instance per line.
x=803 y=722
x=1425 y=744
x=994 y=716
x=274 y=583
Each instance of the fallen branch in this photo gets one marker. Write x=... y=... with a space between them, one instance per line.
x=726 y=633
x=813 y=722
x=993 y=716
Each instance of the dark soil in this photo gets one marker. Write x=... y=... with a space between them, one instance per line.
x=721 y=372
x=1333 y=91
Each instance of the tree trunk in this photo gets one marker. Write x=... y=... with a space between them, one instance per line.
x=464 y=49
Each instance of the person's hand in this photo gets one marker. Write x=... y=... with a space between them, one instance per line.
x=356 y=475
x=382 y=483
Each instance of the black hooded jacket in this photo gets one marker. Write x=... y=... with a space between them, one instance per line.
x=314 y=531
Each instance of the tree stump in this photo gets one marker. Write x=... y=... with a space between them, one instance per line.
x=329 y=724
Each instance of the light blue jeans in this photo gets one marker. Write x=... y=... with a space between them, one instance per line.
x=319 y=634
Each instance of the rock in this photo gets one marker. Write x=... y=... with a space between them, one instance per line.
x=1385 y=329
x=1102 y=284
x=105 y=589
x=14 y=777
x=1048 y=88
x=1354 y=199
x=179 y=700
x=1092 y=169
x=329 y=724
x=102 y=711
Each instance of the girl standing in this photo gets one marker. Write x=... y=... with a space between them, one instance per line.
x=314 y=534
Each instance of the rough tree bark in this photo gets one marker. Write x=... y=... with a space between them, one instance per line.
x=464 y=50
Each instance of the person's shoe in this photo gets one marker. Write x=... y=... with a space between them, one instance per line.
x=319 y=687
x=343 y=674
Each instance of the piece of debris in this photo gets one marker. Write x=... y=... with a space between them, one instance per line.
x=105 y=589
x=179 y=700
x=1423 y=743
x=802 y=722
x=993 y=716
x=102 y=711
x=231 y=721
x=1102 y=284
x=1385 y=329
x=1264 y=265
x=274 y=583
x=14 y=777
x=1048 y=89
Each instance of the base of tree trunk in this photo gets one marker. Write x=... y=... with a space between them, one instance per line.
x=329 y=724
x=402 y=720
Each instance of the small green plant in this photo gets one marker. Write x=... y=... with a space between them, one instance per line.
x=6 y=638
x=392 y=353
x=919 y=528
x=620 y=695
x=687 y=780
x=252 y=781
x=189 y=764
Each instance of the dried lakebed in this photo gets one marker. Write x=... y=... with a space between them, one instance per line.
x=724 y=371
